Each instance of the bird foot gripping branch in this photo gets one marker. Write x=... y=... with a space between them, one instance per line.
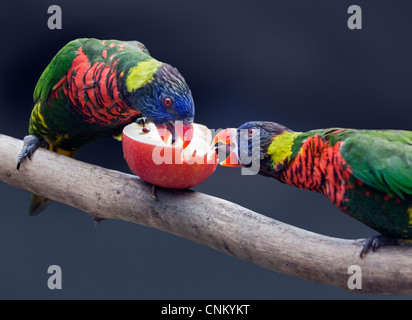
x=376 y=242
x=30 y=144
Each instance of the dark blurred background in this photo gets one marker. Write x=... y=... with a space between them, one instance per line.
x=293 y=62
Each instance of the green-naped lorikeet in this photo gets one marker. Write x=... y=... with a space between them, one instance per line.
x=93 y=88
x=365 y=173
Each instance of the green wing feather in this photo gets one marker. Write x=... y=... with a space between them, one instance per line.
x=56 y=70
x=62 y=62
x=138 y=45
x=381 y=159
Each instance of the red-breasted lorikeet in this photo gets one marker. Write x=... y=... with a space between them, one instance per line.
x=93 y=88
x=365 y=173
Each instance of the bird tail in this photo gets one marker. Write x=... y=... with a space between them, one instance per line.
x=39 y=203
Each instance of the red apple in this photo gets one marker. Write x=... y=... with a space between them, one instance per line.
x=167 y=165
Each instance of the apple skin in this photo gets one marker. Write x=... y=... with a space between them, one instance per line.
x=142 y=157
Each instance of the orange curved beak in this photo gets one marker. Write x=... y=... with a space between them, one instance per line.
x=228 y=138
x=187 y=134
x=182 y=129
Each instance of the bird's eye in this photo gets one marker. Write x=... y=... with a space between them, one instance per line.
x=252 y=132
x=167 y=102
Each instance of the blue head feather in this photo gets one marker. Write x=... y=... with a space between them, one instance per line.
x=267 y=131
x=167 y=83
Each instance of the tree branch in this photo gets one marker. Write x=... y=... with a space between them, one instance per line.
x=214 y=222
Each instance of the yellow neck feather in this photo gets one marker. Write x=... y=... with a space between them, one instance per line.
x=280 y=149
x=141 y=74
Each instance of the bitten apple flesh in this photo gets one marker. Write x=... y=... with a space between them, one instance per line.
x=167 y=165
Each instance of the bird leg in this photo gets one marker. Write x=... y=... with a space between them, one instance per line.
x=375 y=242
x=31 y=143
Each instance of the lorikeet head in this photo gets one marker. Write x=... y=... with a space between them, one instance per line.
x=161 y=94
x=250 y=142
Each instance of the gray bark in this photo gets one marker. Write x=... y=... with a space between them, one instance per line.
x=208 y=220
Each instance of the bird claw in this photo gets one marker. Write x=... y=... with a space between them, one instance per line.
x=376 y=242
x=30 y=144
x=141 y=121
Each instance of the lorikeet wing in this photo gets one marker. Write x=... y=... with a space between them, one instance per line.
x=381 y=159
x=55 y=71
x=138 y=45
x=78 y=98
x=62 y=62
